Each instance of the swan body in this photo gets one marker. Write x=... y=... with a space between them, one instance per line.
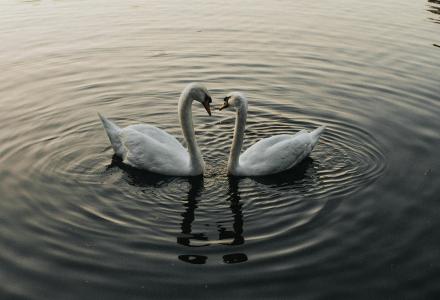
x=270 y=155
x=149 y=148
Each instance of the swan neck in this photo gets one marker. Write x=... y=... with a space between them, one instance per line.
x=186 y=123
x=237 y=142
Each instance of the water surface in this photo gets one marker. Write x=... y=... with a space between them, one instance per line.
x=358 y=219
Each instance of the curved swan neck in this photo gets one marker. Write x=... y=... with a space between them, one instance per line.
x=186 y=123
x=237 y=142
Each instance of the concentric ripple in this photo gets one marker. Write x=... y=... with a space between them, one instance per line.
x=197 y=212
x=107 y=209
x=79 y=224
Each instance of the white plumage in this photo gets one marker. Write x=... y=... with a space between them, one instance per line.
x=270 y=155
x=150 y=148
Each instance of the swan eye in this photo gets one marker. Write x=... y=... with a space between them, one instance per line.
x=226 y=104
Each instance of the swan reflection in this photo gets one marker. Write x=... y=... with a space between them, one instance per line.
x=296 y=178
x=196 y=186
x=235 y=205
x=226 y=237
x=188 y=237
x=137 y=177
x=229 y=233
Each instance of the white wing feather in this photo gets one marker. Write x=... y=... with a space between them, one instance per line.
x=149 y=148
x=154 y=152
x=275 y=154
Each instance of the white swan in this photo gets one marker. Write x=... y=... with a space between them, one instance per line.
x=150 y=148
x=268 y=156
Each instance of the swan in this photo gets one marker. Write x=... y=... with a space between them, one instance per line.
x=270 y=155
x=149 y=148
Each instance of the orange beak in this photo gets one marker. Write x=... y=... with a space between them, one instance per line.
x=207 y=107
x=224 y=106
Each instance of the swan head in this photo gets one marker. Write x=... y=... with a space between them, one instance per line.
x=234 y=101
x=199 y=92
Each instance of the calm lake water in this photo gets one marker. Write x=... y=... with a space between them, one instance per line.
x=359 y=219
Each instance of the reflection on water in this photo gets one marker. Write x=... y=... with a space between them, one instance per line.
x=188 y=238
x=137 y=177
x=111 y=231
x=232 y=235
x=236 y=234
x=296 y=184
x=225 y=237
x=196 y=185
x=434 y=7
x=303 y=172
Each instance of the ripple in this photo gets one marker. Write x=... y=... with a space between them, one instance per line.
x=70 y=207
x=202 y=212
x=103 y=206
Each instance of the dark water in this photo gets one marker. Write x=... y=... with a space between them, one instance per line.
x=359 y=219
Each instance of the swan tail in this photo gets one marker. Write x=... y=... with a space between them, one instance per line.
x=113 y=133
x=315 y=134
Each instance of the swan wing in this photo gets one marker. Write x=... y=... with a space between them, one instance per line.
x=275 y=154
x=159 y=135
x=152 y=149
